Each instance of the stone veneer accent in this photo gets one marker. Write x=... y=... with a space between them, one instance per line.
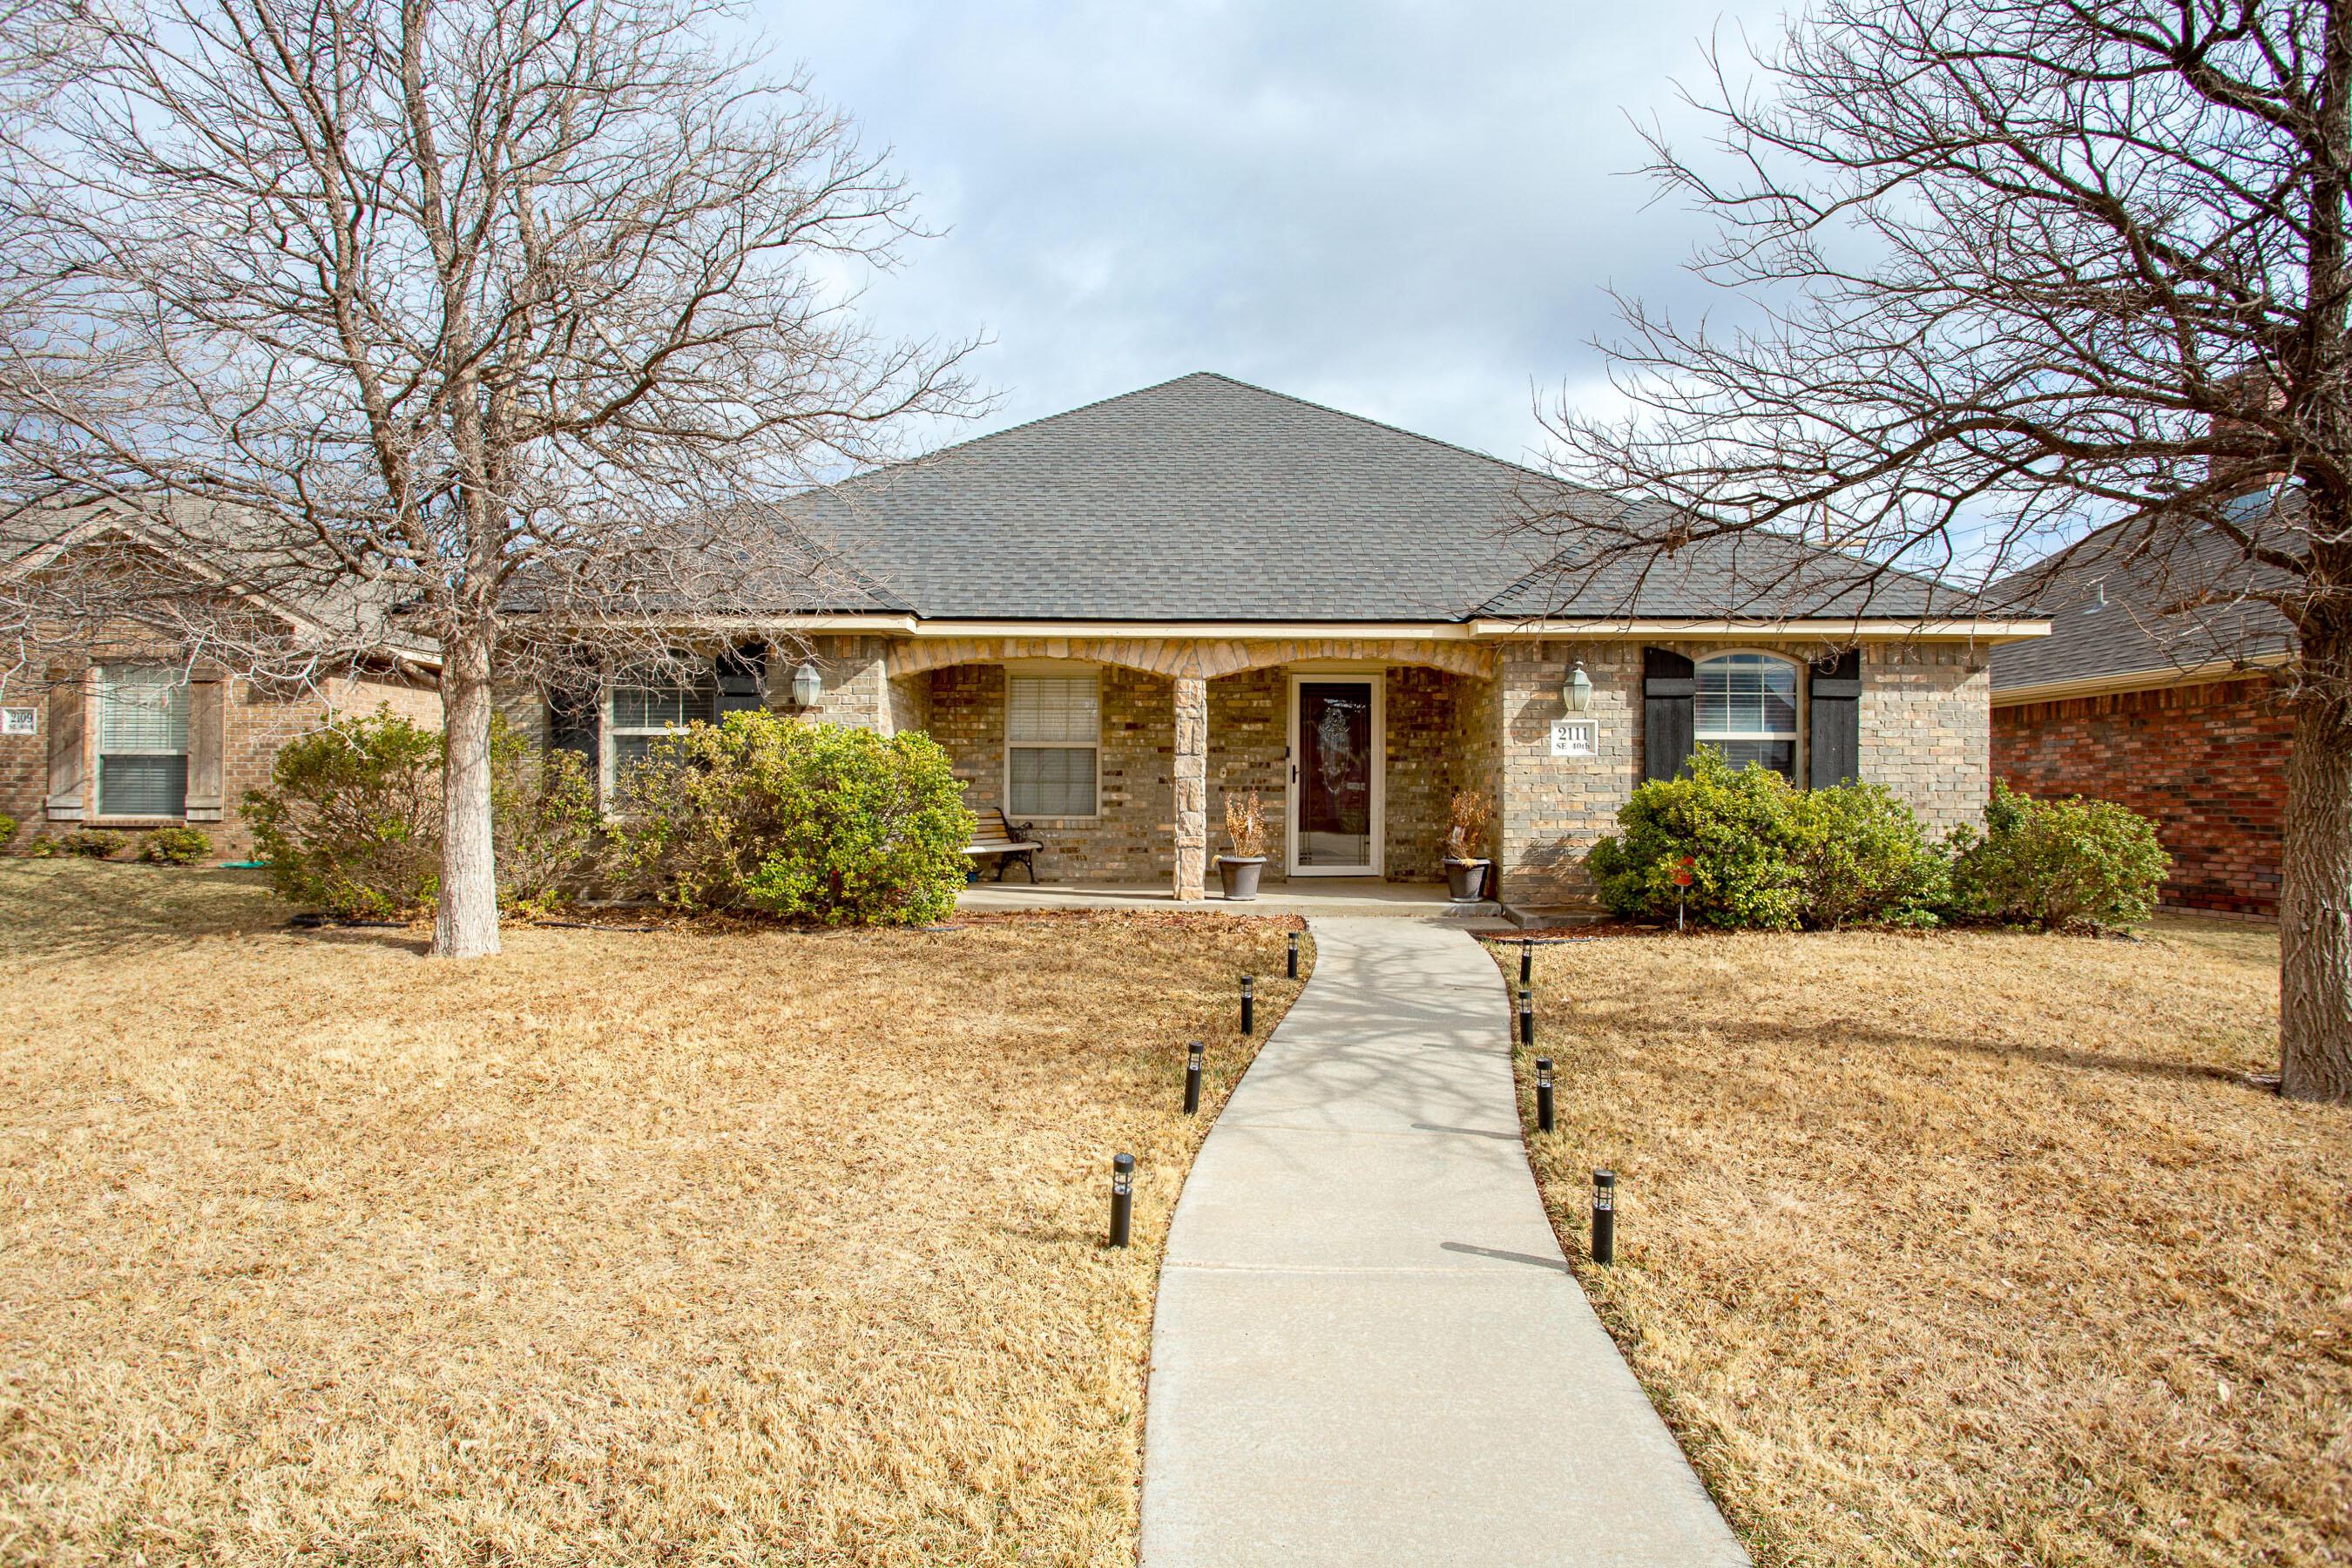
x=2207 y=764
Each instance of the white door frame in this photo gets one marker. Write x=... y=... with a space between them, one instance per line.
x=1376 y=682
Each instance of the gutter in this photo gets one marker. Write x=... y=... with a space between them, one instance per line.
x=2210 y=673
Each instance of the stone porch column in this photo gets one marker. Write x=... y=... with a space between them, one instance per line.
x=1190 y=773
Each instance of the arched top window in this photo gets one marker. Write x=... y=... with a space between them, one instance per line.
x=1746 y=709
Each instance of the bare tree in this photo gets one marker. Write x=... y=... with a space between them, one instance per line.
x=498 y=321
x=2011 y=268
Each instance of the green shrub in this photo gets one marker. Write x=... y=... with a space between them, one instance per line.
x=815 y=821
x=352 y=821
x=543 y=819
x=1732 y=827
x=1763 y=855
x=1860 y=855
x=2057 y=863
x=7 y=830
x=175 y=846
x=93 y=843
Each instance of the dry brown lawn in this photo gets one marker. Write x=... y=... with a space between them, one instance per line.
x=689 y=1247
x=1968 y=1247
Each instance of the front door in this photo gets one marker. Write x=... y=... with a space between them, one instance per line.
x=1336 y=768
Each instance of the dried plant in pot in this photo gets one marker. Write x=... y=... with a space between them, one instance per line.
x=1465 y=836
x=1246 y=828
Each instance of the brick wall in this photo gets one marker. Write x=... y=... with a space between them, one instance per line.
x=257 y=719
x=1926 y=735
x=1249 y=719
x=2207 y=764
x=1131 y=837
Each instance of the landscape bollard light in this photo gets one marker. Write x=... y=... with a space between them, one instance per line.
x=1605 y=1216
x=1527 y=1016
x=1122 y=1197
x=1193 y=1080
x=1294 y=955
x=1543 y=1094
x=1249 y=1003
x=1527 y=962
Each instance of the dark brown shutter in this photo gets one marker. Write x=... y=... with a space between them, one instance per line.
x=1669 y=703
x=742 y=675
x=571 y=715
x=1834 y=733
x=207 y=718
x=68 y=769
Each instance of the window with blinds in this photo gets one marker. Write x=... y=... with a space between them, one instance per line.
x=1748 y=711
x=643 y=714
x=143 y=741
x=1052 y=728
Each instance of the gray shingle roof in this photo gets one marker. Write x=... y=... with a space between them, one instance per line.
x=2118 y=604
x=1208 y=499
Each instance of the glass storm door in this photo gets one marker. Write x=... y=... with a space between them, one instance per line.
x=1335 y=794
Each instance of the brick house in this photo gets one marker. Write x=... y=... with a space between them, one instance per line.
x=1115 y=617
x=2180 y=723
x=128 y=729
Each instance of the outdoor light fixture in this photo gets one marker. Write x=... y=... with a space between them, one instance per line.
x=807 y=685
x=1605 y=1216
x=1576 y=691
x=1122 y=1198
x=1543 y=1094
x=1249 y=1004
x=1193 y=1080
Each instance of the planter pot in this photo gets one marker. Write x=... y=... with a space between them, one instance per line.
x=1240 y=874
x=1466 y=880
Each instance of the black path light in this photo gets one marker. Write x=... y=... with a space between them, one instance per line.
x=1122 y=1197
x=1249 y=1003
x=1543 y=1094
x=1193 y=1080
x=1294 y=955
x=1605 y=1216
x=1527 y=1015
x=1527 y=962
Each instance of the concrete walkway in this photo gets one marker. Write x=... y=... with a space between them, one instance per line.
x=1369 y=1348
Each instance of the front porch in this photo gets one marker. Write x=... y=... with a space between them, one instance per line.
x=1302 y=897
x=1121 y=757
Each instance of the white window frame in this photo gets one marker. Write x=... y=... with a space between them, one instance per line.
x=610 y=732
x=102 y=688
x=1796 y=737
x=1034 y=671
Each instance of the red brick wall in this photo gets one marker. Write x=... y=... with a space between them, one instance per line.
x=2207 y=764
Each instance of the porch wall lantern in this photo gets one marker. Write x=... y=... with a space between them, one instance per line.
x=807 y=685
x=1576 y=691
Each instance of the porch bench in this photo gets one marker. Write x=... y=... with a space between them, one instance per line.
x=991 y=834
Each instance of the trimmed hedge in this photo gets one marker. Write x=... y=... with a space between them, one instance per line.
x=351 y=823
x=1764 y=856
x=812 y=821
x=175 y=846
x=2057 y=864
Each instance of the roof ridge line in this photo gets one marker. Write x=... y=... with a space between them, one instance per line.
x=1424 y=439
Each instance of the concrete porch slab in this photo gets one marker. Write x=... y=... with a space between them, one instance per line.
x=1307 y=897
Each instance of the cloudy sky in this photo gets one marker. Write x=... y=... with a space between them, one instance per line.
x=1405 y=210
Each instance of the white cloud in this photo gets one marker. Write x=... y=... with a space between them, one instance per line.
x=1404 y=210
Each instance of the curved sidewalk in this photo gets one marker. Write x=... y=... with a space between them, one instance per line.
x=1367 y=1347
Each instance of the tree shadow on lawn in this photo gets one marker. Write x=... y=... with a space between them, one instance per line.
x=1827 y=1039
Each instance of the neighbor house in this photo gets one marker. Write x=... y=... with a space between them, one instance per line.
x=132 y=724
x=1115 y=618
x=2150 y=694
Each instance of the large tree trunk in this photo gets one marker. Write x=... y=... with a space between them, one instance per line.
x=467 y=923
x=2315 y=906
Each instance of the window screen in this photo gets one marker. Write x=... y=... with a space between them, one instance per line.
x=1053 y=724
x=1746 y=709
x=143 y=741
